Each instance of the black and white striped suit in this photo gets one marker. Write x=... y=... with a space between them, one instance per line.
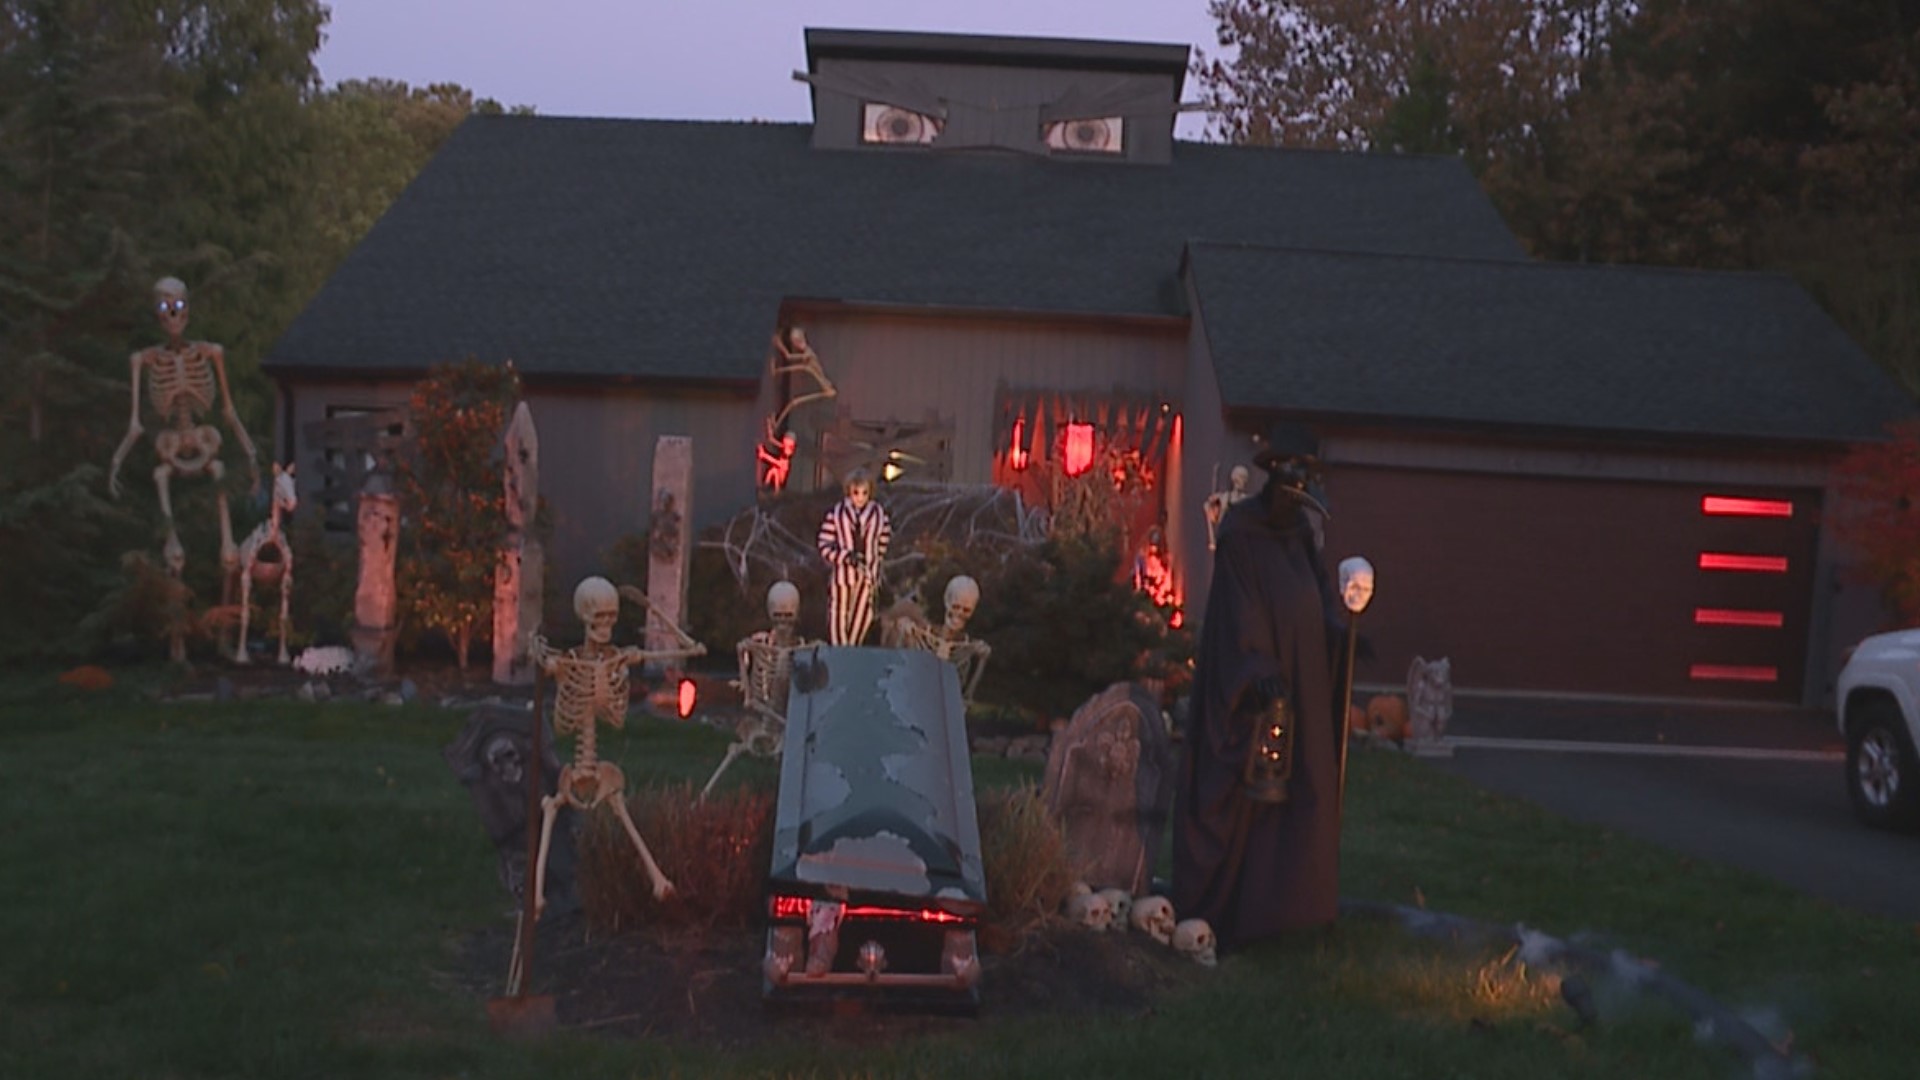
x=852 y=542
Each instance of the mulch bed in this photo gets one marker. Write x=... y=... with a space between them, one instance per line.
x=705 y=986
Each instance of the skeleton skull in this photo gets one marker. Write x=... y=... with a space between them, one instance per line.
x=597 y=603
x=170 y=305
x=1090 y=910
x=1153 y=916
x=1194 y=938
x=504 y=759
x=1121 y=903
x=963 y=596
x=1238 y=479
x=783 y=606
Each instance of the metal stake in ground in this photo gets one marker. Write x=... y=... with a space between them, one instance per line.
x=518 y=1013
x=1356 y=592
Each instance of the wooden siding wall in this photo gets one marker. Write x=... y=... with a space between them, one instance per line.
x=899 y=367
x=596 y=456
x=1204 y=452
x=1148 y=137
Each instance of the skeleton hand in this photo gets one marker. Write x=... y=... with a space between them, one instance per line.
x=134 y=431
x=542 y=654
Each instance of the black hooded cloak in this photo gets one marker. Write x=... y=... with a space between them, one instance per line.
x=1271 y=612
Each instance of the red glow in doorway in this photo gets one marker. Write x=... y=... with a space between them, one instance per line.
x=1078 y=456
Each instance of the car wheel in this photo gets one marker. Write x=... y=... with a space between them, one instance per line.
x=1883 y=777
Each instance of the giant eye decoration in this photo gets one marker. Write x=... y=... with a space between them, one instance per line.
x=896 y=126
x=1094 y=136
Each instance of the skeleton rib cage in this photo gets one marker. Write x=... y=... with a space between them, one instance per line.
x=181 y=383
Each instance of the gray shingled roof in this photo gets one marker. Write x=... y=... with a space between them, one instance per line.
x=1604 y=348
x=663 y=249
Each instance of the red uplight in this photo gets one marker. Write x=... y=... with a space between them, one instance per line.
x=1725 y=505
x=1737 y=617
x=1078 y=457
x=791 y=907
x=1768 y=564
x=1017 y=455
x=1733 y=673
x=1177 y=619
x=689 y=694
x=934 y=915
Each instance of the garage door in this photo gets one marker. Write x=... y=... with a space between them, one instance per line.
x=1583 y=586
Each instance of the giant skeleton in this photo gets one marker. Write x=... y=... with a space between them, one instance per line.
x=592 y=688
x=853 y=540
x=949 y=640
x=184 y=380
x=766 y=675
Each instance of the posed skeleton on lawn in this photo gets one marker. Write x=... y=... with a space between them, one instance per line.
x=949 y=640
x=592 y=688
x=255 y=566
x=185 y=381
x=766 y=674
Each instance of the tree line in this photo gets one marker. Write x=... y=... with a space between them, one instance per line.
x=1738 y=134
x=191 y=138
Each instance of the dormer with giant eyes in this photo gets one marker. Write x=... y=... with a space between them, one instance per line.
x=1096 y=101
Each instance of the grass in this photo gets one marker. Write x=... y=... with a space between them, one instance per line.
x=275 y=889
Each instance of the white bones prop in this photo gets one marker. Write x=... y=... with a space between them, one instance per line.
x=793 y=356
x=1217 y=503
x=1120 y=901
x=185 y=379
x=949 y=640
x=1091 y=911
x=593 y=689
x=278 y=570
x=766 y=674
x=1193 y=938
x=1153 y=916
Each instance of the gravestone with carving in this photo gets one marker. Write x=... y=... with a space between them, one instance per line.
x=375 y=600
x=669 y=540
x=1109 y=783
x=517 y=592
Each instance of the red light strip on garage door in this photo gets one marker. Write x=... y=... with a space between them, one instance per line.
x=1733 y=673
x=1731 y=507
x=1719 y=560
x=1709 y=616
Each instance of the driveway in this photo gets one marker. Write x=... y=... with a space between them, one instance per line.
x=1758 y=788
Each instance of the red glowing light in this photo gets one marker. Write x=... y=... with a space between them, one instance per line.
x=1017 y=455
x=934 y=915
x=1767 y=564
x=791 y=907
x=1177 y=619
x=1737 y=617
x=1733 y=673
x=689 y=695
x=1724 y=505
x=1078 y=457
x=775 y=453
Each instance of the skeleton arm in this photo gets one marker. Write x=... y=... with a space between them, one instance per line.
x=544 y=656
x=218 y=356
x=134 y=431
x=688 y=646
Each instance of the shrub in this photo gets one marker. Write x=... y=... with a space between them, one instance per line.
x=1879 y=515
x=1028 y=873
x=716 y=853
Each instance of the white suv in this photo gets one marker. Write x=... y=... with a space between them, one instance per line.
x=1878 y=699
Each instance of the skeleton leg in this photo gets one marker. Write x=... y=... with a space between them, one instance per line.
x=229 y=554
x=661 y=886
x=549 y=809
x=733 y=751
x=246 y=607
x=286 y=595
x=174 y=554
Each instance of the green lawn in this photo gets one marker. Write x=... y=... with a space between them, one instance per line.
x=275 y=889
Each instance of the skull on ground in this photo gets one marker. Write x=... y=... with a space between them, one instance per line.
x=1153 y=916
x=1121 y=901
x=1193 y=938
x=1091 y=911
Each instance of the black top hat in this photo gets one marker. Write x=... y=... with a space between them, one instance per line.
x=1286 y=441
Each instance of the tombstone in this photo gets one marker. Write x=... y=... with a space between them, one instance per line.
x=517 y=579
x=670 y=540
x=489 y=757
x=375 y=601
x=1109 y=783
